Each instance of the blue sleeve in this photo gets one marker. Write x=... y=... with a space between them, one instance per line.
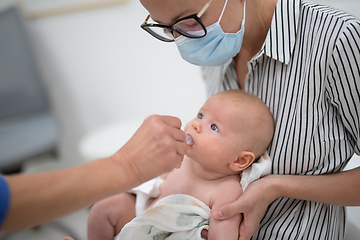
x=4 y=199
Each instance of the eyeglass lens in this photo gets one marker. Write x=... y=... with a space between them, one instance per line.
x=189 y=27
x=160 y=32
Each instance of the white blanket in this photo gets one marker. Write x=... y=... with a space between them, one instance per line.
x=151 y=189
x=258 y=169
x=145 y=192
x=173 y=217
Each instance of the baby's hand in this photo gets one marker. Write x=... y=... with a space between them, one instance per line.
x=68 y=238
x=204 y=234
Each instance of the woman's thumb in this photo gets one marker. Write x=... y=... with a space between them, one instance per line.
x=225 y=212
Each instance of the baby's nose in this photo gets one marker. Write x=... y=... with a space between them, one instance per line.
x=197 y=127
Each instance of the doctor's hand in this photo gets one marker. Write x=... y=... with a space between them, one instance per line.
x=252 y=204
x=158 y=146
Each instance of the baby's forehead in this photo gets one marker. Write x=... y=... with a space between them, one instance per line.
x=225 y=111
x=227 y=101
x=234 y=110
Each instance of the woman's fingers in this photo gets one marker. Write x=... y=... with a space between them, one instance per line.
x=252 y=204
x=227 y=211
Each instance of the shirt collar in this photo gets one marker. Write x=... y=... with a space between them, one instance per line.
x=280 y=40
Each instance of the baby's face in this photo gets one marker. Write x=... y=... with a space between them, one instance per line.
x=215 y=136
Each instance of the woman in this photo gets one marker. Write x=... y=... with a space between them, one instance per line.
x=303 y=61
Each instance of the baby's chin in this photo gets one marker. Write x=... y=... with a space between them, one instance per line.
x=189 y=154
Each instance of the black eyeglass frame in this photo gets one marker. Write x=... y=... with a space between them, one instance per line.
x=171 y=28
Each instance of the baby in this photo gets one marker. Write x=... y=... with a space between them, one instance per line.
x=231 y=131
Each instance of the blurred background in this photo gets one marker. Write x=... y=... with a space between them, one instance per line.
x=102 y=75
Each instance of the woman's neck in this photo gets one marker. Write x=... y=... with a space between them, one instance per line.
x=259 y=14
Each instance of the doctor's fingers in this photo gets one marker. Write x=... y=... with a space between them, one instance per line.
x=163 y=130
x=181 y=151
x=174 y=150
x=172 y=121
x=162 y=124
x=160 y=127
x=178 y=135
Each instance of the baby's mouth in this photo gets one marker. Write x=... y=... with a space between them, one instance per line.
x=189 y=140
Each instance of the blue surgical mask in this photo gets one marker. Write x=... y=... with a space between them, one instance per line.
x=215 y=48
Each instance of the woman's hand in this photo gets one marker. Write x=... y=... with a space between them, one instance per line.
x=252 y=204
x=158 y=146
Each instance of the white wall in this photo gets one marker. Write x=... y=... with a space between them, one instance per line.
x=101 y=67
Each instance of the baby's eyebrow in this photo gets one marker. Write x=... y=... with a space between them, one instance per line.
x=202 y=109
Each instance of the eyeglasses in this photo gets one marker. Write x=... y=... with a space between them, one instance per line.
x=190 y=26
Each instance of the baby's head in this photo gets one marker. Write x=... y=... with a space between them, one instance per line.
x=232 y=129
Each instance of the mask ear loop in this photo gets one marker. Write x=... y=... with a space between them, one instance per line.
x=243 y=20
x=222 y=12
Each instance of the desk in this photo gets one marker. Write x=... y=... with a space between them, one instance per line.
x=107 y=140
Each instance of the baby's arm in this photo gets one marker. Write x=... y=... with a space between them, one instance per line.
x=225 y=229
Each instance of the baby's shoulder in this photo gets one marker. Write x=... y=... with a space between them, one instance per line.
x=227 y=190
x=231 y=181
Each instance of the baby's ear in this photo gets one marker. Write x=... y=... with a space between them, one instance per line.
x=244 y=160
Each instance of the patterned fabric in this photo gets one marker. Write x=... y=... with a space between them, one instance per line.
x=308 y=74
x=174 y=217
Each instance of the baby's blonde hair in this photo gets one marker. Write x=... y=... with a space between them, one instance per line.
x=255 y=115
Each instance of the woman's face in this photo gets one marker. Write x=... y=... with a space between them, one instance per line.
x=166 y=12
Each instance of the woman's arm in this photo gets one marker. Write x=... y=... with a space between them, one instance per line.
x=328 y=189
x=157 y=147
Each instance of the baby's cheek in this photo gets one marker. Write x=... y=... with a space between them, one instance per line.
x=187 y=127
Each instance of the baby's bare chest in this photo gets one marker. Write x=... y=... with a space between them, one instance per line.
x=182 y=183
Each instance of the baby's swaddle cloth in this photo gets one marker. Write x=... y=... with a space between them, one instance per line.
x=146 y=191
x=174 y=217
x=257 y=170
x=151 y=189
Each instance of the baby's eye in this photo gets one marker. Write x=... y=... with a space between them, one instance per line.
x=200 y=116
x=214 y=128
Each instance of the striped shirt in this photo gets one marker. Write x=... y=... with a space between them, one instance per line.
x=308 y=74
